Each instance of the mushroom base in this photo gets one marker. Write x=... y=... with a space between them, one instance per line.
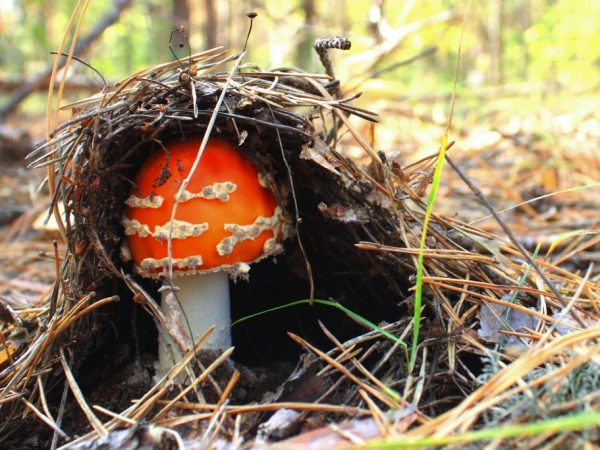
x=201 y=301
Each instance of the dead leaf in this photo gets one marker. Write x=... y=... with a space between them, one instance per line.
x=497 y=318
x=345 y=214
x=319 y=153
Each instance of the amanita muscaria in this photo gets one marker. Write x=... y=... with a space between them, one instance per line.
x=225 y=220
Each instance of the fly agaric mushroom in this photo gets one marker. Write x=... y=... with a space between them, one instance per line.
x=225 y=220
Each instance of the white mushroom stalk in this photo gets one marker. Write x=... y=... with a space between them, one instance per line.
x=200 y=301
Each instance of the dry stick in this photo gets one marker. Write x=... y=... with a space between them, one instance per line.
x=397 y=36
x=355 y=134
x=44 y=403
x=436 y=254
x=89 y=66
x=114 y=415
x=142 y=406
x=381 y=396
x=485 y=202
x=227 y=391
x=485 y=285
x=60 y=414
x=269 y=407
x=321 y=46
x=334 y=387
x=75 y=47
x=216 y=363
x=579 y=249
x=377 y=414
x=376 y=73
x=569 y=307
x=74 y=85
x=307 y=264
x=214 y=424
x=47 y=420
x=504 y=303
x=52 y=119
x=92 y=419
x=538 y=198
x=36 y=349
x=57 y=280
x=12 y=397
x=26 y=89
x=6 y=345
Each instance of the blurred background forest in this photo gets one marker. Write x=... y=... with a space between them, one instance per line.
x=528 y=77
x=533 y=47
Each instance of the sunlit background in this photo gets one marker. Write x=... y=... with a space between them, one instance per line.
x=516 y=55
x=511 y=41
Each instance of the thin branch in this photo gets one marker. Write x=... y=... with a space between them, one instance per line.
x=485 y=202
x=26 y=89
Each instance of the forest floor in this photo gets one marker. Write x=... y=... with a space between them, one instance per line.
x=538 y=163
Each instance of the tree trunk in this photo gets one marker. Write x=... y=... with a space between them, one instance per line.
x=305 y=50
x=495 y=41
x=211 y=26
x=82 y=44
x=181 y=15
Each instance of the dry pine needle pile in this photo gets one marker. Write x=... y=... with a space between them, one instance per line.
x=357 y=237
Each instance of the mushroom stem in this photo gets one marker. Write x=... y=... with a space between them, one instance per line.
x=204 y=300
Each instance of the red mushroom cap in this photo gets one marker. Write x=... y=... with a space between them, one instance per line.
x=227 y=216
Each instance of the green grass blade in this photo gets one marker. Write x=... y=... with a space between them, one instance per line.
x=574 y=422
x=437 y=176
x=357 y=317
